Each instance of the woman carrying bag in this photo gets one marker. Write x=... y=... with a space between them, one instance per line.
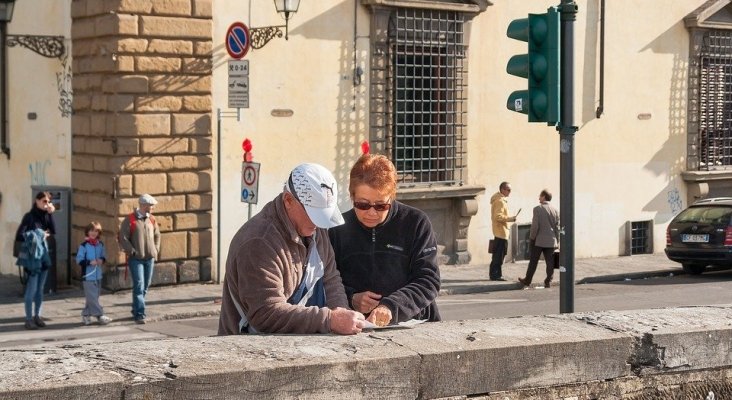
x=34 y=255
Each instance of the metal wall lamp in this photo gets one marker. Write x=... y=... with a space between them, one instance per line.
x=262 y=35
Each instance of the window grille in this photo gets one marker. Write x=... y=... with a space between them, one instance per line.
x=641 y=238
x=714 y=140
x=423 y=84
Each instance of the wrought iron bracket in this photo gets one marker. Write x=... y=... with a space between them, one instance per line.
x=261 y=36
x=47 y=46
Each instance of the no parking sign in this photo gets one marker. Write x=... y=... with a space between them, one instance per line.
x=237 y=40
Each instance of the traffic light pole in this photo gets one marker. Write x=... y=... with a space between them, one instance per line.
x=567 y=130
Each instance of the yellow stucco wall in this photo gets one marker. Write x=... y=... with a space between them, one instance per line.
x=627 y=167
x=40 y=148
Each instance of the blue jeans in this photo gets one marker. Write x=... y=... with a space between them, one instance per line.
x=34 y=292
x=142 y=271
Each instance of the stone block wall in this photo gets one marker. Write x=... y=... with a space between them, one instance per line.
x=142 y=124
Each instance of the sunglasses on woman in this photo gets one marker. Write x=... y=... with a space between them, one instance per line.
x=365 y=205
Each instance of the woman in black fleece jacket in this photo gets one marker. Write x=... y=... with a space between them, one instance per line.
x=386 y=251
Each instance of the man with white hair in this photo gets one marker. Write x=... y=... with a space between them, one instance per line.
x=281 y=275
x=139 y=237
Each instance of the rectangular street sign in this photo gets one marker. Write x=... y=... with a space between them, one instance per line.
x=249 y=182
x=238 y=67
x=238 y=92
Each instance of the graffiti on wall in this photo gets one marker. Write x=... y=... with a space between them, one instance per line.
x=674 y=201
x=65 y=91
x=38 y=172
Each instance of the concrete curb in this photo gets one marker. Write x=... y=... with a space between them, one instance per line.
x=564 y=353
x=498 y=287
x=631 y=275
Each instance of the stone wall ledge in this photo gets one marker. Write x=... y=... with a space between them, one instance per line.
x=455 y=358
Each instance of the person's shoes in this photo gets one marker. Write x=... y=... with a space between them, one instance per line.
x=547 y=284
x=140 y=321
x=499 y=279
x=30 y=325
x=39 y=322
x=524 y=282
x=86 y=320
x=104 y=320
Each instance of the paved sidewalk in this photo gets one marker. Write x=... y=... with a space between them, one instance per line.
x=199 y=300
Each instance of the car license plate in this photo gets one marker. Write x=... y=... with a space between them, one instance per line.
x=695 y=238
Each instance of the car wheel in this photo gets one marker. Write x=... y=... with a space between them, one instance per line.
x=693 y=269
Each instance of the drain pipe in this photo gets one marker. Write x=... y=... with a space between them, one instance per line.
x=601 y=105
x=4 y=90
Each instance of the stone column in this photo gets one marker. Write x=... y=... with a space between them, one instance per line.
x=142 y=124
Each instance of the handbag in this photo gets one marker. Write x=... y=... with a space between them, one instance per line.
x=556 y=258
x=491 y=246
x=16 y=248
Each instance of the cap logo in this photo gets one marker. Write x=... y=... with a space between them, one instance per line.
x=315 y=188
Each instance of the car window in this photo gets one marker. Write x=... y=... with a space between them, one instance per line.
x=705 y=215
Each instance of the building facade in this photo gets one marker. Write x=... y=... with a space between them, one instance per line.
x=423 y=81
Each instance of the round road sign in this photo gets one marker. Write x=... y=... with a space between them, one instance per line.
x=237 y=40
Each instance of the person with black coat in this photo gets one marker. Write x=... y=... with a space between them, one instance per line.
x=386 y=251
x=39 y=217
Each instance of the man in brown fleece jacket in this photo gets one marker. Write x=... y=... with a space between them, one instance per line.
x=281 y=275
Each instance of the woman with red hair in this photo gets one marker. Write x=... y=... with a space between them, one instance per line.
x=386 y=251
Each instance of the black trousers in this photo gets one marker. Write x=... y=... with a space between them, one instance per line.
x=499 y=253
x=537 y=251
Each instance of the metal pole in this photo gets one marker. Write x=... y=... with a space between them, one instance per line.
x=218 y=195
x=220 y=115
x=567 y=130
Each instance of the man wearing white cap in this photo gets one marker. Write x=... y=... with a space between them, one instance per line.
x=139 y=237
x=281 y=275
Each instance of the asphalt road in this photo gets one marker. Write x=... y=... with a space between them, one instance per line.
x=705 y=289
x=708 y=288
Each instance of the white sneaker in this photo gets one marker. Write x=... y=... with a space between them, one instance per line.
x=86 y=320
x=104 y=320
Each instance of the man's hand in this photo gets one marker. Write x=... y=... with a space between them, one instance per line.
x=364 y=302
x=381 y=316
x=93 y=262
x=345 y=322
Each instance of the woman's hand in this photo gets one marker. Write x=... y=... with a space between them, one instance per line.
x=364 y=302
x=381 y=316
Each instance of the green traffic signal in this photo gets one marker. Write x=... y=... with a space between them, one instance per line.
x=540 y=66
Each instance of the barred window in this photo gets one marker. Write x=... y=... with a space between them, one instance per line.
x=423 y=85
x=714 y=140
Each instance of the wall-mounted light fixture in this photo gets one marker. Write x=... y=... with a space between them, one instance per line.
x=47 y=46
x=262 y=35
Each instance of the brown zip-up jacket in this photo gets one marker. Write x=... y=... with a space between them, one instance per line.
x=144 y=243
x=264 y=268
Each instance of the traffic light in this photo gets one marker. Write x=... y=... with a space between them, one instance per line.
x=540 y=66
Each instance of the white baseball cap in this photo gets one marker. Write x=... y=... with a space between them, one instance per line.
x=316 y=188
x=147 y=199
